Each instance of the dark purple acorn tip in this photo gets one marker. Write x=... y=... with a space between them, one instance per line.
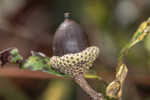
x=69 y=37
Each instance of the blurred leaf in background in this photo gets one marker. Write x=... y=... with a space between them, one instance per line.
x=59 y=90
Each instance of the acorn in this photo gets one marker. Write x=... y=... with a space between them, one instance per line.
x=73 y=55
x=69 y=37
x=70 y=45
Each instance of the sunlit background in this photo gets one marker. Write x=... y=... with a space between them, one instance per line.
x=110 y=24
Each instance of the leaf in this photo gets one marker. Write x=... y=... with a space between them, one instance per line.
x=114 y=89
x=122 y=73
x=138 y=36
x=10 y=55
x=15 y=56
x=40 y=62
x=92 y=76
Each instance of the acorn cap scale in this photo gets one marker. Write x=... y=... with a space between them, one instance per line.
x=69 y=38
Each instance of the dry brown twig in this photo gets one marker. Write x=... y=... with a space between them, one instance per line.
x=80 y=80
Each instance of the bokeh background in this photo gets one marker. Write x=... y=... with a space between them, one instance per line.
x=110 y=24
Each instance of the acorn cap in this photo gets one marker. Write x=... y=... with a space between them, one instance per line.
x=69 y=38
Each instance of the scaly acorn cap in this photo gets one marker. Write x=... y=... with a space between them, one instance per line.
x=75 y=63
x=69 y=38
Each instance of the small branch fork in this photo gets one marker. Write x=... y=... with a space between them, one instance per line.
x=80 y=80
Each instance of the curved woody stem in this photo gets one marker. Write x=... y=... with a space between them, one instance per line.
x=80 y=80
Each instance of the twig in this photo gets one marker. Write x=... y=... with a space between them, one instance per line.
x=80 y=80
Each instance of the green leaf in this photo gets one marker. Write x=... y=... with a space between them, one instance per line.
x=138 y=36
x=92 y=76
x=15 y=56
x=40 y=62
